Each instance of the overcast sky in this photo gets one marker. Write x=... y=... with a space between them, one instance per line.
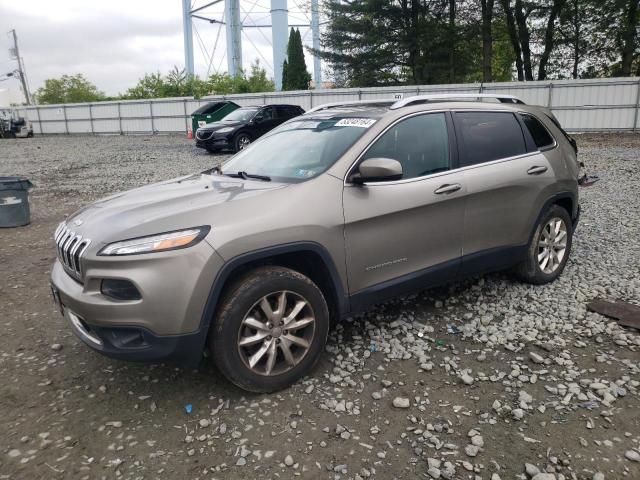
x=115 y=42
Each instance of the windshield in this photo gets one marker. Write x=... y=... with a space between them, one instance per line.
x=299 y=150
x=242 y=114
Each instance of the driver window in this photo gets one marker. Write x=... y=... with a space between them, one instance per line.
x=267 y=114
x=420 y=144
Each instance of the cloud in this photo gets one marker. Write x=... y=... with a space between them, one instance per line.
x=115 y=43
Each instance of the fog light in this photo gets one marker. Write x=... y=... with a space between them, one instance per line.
x=119 y=289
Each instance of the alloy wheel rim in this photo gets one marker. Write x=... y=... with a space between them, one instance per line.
x=276 y=333
x=552 y=245
x=243 y=142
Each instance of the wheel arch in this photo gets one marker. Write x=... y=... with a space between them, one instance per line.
x=565 y=200
x=309 y=258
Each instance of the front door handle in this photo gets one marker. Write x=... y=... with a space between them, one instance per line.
x=448 y=188
x=536 y=170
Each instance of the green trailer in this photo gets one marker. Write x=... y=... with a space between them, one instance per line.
x=211 y=112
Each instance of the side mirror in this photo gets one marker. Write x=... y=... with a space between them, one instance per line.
x=378 y=170
x=258 y=118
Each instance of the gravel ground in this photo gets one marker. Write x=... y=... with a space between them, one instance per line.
x=484 y=379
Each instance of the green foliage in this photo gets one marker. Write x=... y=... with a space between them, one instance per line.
x=377 y=42
x=294 y=72
x=68 y=89
x=177 y=84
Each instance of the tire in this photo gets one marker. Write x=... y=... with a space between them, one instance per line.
x=235 y=344
x=241 y=141
x=538 y=272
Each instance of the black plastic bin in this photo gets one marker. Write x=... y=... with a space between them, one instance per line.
x=14 y=201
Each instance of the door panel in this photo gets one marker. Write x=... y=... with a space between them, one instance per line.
x=503 y=201
x=395 y=229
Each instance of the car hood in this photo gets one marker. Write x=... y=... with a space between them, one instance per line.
x=166 y=206
x=223 y=124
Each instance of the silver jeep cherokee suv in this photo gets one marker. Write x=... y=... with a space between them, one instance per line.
x=333 y=211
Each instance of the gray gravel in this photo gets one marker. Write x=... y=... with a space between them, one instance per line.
x=487 y=378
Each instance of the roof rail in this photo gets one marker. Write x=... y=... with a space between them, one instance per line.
x=327 y=106
x=450 y=96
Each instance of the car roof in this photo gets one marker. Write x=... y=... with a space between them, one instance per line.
x=272 y=105
x=393 y=108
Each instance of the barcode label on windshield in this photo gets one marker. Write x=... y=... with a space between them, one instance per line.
x=356 y=122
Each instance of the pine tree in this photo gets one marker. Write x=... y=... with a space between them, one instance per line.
x=294 y=72
x=285 y=68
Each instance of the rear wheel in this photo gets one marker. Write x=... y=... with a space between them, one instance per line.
x=242 y=141
x=549 y=248
x=270 y=329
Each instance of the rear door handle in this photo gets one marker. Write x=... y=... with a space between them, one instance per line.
x=448 y=188
x=536 y=170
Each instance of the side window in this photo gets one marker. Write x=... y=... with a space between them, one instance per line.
x=487 y=136
x=267 y=113
x=541 y=137
x=283 y=112
x=420 y=144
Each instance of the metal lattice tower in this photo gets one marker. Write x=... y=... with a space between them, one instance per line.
x=235 y=24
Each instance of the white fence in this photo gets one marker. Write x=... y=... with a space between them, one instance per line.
x=580 y=105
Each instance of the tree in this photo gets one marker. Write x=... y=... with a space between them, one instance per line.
x=487 y=40
x=297 y=77
x=68 y=89
x=629 y=37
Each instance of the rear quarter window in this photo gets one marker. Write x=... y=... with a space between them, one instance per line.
x=540 y=135
x=488 y=136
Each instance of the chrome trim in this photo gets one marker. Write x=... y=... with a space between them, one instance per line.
x=75 y=321
x=200 y=137
x=455 y=170
x=451 y=96
x=352 y=103
x=70 y=248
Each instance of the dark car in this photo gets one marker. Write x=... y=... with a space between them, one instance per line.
x=243 y=126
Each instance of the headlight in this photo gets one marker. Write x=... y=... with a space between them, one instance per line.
x=225 y=130
x=157 y=243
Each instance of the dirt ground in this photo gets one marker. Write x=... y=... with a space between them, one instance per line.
x=461 y=355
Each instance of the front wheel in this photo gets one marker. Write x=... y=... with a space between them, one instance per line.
x=549 y=248
x=242 y=141
x=270 y=329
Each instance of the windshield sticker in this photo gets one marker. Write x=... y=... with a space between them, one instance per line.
x=356 y=122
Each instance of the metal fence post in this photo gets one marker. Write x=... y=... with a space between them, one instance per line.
x=550 y=95
x=186 y=119
x=310 y=99
x=91 y=118
x=635 y=115
x=359 y=94
x=66 y=124
x=119 y=119
x=153 y=126
x=39 y=122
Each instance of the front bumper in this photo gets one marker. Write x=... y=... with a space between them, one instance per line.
x=137 y=344
x=164 y=324
x=215 y=143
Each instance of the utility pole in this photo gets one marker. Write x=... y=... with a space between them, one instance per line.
x=279 y=27
x=187 y=29
x=315 y=32
x=15 y=52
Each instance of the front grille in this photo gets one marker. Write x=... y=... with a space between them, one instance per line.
x=70 y=248
x=202 y=134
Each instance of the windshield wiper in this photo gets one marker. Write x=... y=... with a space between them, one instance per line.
x=211 y=170
x=245 y=176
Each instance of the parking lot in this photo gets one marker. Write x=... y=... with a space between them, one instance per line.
x=487 y=378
